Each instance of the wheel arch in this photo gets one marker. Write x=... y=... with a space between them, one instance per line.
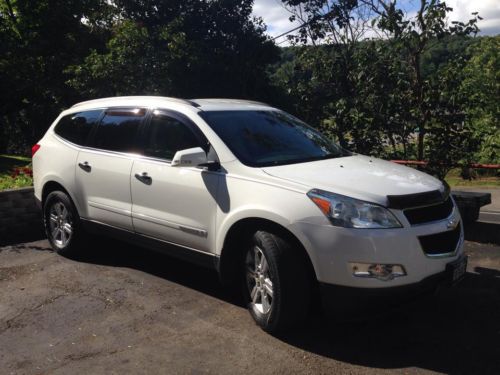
x=234 y=245
x=52 y=185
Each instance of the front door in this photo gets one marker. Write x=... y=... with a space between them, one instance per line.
x=174 y=204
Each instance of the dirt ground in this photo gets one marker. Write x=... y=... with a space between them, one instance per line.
x=121 y=309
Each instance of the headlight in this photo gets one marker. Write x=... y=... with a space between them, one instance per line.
x=352 y=213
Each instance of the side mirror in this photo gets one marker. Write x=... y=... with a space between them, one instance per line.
x=191 y=157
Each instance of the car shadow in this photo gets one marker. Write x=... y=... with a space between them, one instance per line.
x=455 y=331
x=28 y=234
x=484 y=232
x=110 y=252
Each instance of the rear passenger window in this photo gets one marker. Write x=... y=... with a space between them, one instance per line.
x=166 y=136
x=118 y=129
x=77 y=126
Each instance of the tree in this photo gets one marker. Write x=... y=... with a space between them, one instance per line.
x=415 y=36
x=481 y=85
x=326 y=79
x=180 y=48
x=55 y=53
x=450 y=140
x=377 y=95
x=38 y=40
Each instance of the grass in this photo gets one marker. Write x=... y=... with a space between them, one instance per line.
x=11 y=174
x=483 y=182
x=453 y=179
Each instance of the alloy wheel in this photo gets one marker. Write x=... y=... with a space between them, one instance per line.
x=258 y=279
x=60 y=224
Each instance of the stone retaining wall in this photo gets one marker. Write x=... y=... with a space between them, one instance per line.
x=19 y=216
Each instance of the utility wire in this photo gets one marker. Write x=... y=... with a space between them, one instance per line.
x=289 y=31
x=283 y=41
x=315 y=18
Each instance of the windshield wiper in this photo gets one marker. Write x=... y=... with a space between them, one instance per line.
x=303 y=160
x=331 y=156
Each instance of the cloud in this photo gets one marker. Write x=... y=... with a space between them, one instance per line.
x=275 y=16
x=489 y=10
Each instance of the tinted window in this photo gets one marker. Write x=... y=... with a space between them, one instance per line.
x=118 y=129
x=260 y=138
x=77 y=126
x=166 y=136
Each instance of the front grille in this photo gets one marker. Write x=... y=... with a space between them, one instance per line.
x=441 y=243
x=429 y=213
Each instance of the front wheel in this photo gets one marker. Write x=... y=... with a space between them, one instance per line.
x=61 y=222
x=278 y=288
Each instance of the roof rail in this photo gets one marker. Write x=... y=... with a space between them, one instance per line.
x=193 y=103
x=109 y=99
x=199 y=101
x=256 y=102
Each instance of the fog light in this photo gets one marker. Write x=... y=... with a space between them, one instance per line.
x=384 y=272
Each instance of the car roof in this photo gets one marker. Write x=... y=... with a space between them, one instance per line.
x=150 y=101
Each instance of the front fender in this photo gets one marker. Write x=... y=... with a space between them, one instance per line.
x=261 y=212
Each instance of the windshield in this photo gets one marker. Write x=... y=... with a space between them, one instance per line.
x=270 y=137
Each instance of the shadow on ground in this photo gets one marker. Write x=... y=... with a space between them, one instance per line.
x=456 y=331
x=483 y=232
x=110 y=252
x=28 y=234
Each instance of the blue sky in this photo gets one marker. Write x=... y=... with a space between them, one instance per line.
x=276 y=16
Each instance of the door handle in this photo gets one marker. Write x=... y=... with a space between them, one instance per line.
x=144 y=178
x=85 y=166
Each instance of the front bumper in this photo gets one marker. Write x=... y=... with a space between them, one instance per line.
x=333 y=250
x=336 y=298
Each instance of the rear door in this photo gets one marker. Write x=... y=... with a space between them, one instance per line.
x=103 y=168
x=175 y=204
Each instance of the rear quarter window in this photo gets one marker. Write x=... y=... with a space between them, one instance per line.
x=76 y=127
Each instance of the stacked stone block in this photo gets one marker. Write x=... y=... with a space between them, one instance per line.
x=19 y=215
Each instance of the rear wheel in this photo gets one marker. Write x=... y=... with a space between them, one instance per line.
x=62 y=223
x=278 y=288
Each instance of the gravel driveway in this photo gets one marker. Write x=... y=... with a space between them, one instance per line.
x=121 y=309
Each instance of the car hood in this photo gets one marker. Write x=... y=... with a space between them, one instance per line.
x=358 y=176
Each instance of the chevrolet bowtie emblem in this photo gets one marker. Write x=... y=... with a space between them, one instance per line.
x=452 y=224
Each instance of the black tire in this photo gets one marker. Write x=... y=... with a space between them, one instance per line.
x=63 y=239
x=291 y=284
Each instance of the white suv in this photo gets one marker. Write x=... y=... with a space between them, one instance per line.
x=269 y=202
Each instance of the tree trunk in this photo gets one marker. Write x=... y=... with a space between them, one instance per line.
x=420 y=155
x=418 y=89
x=392 y=141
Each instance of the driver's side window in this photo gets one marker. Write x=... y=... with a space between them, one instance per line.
x=167 y=135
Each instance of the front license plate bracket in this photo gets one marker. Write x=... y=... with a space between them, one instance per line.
x=457 y=269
